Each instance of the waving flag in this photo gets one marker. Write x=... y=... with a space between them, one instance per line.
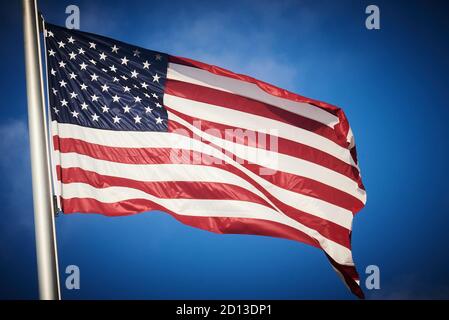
x=137 y=130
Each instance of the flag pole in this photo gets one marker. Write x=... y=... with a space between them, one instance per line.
x=47 y=260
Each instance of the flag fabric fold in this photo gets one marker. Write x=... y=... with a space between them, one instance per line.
x=135 y=130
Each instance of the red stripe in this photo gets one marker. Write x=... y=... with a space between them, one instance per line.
x=269 y=88
x=213 y=224
x=161 y=156
x=221 y=225
x=284 y=146
x=350 y=276
x=286 y=180
x=341 y=128
x=328 y=229
x=253 y=107
x=164 y=189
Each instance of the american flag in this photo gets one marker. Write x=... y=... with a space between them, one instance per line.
x=136 y=130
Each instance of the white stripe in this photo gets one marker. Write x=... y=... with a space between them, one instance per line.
x=249 y=90
x=350 y=139
x=264 y=158
x=311 y=205
x=281 y=162
x=235 y=118
x=189 y=172
x=305 y=203
x=208 y=208
x=155 y=172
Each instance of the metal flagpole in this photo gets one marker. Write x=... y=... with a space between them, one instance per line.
x=47 y=261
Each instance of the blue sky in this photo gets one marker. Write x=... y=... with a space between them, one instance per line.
x=392 y=84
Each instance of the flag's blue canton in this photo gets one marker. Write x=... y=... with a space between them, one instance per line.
x=103 y=83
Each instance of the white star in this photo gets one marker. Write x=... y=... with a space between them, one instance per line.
x=137 y=119
x=113 y=68
x=116 y=119
x=158 y=57
x=134 y=74
x=62 y=64
x=94 y=77
x=124 y=77
x=61 y=44
x=105 y=109
x=125 y=61
x=75 y=114
x=159 y=120
x=51 y=53
x=71 y=40
x=72 y=55
x=73 y=95
x=83 y=86
x=126 y=89
x=136 y=53
x=104 y=87
x=93 y=61
x=73 y=75
x=115 y=79
x=114 y=49
x=102 y=56
x=81 y=51
x=50 y=34
x=95 y=117
x=126 y=109
x=56 y=110
x=137 y=99
x=115 y=98
x=156 y=78
x=84 y=106
x=64 y=102
x=158 y=105
x=62 y=83
x=144 y=85
x=53 y=72
x=92 y=45
x=147 y=95
x=54 y=91
x=154 y=95
x=94 y=97
x=146 y=65
x=83 y=66
x=148 y=110
x=104 y=70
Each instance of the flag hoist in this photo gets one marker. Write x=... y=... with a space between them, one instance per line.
x=46 y=251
